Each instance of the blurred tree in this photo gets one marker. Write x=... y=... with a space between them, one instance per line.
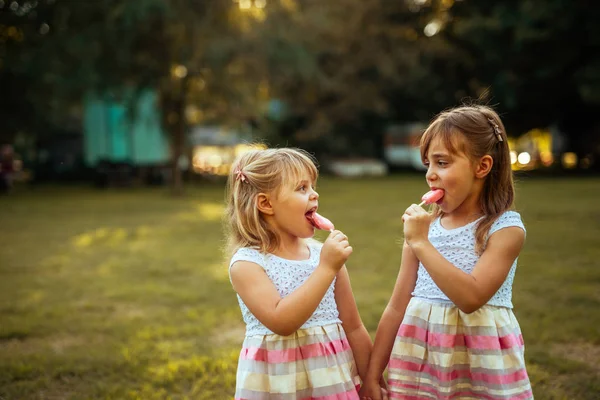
x=188 y=50
x=335 y=66
x=354 y=65
x=540 y=60
x=322 y=75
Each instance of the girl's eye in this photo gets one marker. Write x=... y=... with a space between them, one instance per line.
x=302 y=188
x=442 y=163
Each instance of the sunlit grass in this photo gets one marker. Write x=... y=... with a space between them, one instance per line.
x=125 y=295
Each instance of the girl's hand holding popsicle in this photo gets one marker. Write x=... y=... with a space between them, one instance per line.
x=417 y=220
x=336 y=248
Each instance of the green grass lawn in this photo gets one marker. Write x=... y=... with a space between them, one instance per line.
x=124 y=294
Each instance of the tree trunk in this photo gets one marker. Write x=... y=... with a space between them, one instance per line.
x=177 y=129
x=178 y=142
x=178 y=136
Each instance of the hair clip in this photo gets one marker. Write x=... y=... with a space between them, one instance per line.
x=496 y=129
x=240 y=175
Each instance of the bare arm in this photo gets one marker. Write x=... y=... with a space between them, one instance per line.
x=471 y=291
x=282 y=316
x=357 y=334
x=286 y=316
x=393 y=314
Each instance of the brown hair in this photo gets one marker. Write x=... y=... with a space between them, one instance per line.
x=254 y=172
x=483 y=133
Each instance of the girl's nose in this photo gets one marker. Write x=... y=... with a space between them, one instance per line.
x=314 y=195
x=430 y=176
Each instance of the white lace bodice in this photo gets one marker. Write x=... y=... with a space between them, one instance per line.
x=287 y=276
x=458 y=247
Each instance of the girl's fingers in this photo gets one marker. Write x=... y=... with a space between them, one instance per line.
x=412 y=209
x=339 y=235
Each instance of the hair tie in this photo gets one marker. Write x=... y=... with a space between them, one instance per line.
x=240 y=175
x=497 y=130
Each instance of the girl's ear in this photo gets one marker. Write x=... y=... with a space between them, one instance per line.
x=484 y=166
x=263 y=203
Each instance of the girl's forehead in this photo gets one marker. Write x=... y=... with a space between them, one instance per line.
x=298 y=175
x=452 y=145
x=438 y=146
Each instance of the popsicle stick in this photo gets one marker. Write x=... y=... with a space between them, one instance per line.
x=421 y=203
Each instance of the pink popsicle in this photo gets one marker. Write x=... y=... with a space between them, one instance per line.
x=320 y=222
x=432 y=196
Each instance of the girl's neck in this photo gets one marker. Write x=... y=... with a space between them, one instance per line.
x=292 y=248
x=464 y=214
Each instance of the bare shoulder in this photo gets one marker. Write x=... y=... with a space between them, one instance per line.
x=244 y=273
x=509 y=239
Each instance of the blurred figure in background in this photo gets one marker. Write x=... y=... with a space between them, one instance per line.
x=6 y=168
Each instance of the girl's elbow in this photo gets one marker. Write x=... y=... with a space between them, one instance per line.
x=471 y=306
x=282 y=329
x=468 y=309
x=283 y=332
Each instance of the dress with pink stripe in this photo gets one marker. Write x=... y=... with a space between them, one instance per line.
x=315 y=362
x=441 y=352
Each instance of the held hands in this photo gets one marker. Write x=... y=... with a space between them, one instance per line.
x=335 y=251
x=373 y=390
x=416 y=224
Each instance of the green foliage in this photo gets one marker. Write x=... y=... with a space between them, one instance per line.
x=343 y=69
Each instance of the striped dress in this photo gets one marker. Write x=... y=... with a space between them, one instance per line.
x=441 y=352
x=315 y=362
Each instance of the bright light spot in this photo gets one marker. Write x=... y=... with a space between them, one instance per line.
x=245 y=4
x=513 y=157
x=420 y=2
x=432 y=28
x=524 y=158
x=14 y=6
x=179 y=71
x=243 y=148
x=192 y=114
x=214 y=160
x=569 y=160
x=44 y=28
x=260 y=3
x=546 y=158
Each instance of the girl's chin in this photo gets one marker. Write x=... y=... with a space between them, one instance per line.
x=310 y=232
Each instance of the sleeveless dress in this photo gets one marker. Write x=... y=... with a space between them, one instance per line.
x=315 y=362
x=441 y=352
